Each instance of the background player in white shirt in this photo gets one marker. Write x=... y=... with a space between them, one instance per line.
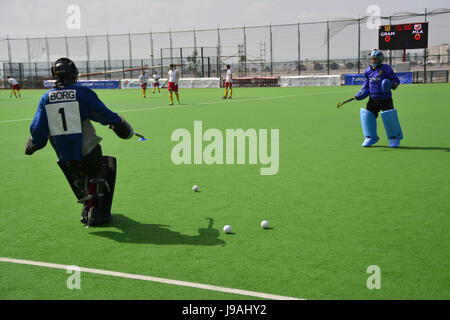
x=143 y=80
x=172 y=78
x=228 y=82
x=15 y=86
x=156 y=78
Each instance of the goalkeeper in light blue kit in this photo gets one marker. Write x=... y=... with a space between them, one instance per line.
x=64 y=117
x=379 y=80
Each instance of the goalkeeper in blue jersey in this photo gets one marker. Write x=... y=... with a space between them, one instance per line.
x=379 y=80
x=64 y=117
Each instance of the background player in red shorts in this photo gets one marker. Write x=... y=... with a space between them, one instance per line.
x=172 y=77
x=15 y=86
x=228 y=82
x=143 y=80
x=155 y=81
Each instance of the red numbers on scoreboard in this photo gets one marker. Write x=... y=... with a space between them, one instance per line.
x=404 y=27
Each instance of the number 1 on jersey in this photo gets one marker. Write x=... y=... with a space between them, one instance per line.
x=63 y=118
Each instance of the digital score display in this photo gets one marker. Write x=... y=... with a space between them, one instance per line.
x=403 y=36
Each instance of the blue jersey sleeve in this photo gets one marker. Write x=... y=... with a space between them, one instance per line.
x=96 y=110
x=39 y=126
x=364 y=92
x=392 y=76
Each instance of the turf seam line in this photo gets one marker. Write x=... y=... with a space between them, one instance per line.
x=152 y=279
x=204 y=103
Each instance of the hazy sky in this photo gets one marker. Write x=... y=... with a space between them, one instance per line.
x=20 y=18
x=39 y=18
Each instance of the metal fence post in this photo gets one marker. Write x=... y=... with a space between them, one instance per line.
x=298 y=49
x=271 y=51
x=161 y=57
x=245 y=52
x=390 y=51
x=425 y=56
x=218 y=64
x=131 y=55
x=218 y=53
x=203 y=65
x=87 y=57
x=359 y=45
x=20 y=72
x=328 y=47
x=181 y=58
x=209 y=68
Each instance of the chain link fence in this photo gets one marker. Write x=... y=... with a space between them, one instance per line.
x=303 y=48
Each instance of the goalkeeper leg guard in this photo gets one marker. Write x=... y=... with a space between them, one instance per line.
x=369 y=126
x=392 y=127
x=101 y=189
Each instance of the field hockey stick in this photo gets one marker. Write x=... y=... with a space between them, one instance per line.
x=344 y=102
x=139 y=135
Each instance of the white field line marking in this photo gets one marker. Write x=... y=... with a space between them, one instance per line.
x=234 y=101
x=152 y=279
x=205 y=103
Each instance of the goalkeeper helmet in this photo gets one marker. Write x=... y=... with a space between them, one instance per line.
x=376 y=59
x=64 y=72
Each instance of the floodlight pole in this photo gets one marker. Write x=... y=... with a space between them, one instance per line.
x=108 y=51
x=48 y=54
x=151 y=49
x=66 y=43
x=29 y=55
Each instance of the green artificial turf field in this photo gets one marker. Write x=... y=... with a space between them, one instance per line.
x=335 y=208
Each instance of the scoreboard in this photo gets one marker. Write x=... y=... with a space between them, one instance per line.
x=403 y=36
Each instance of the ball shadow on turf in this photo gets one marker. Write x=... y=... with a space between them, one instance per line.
x=132 y=231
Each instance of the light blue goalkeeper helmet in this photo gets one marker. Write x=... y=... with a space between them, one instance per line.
x=379 y=56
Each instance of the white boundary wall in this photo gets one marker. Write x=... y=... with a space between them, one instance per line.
x=316 y=81
x=182 y=83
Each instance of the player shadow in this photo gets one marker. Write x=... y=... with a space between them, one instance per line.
x=132 y=231
x=415 y=148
